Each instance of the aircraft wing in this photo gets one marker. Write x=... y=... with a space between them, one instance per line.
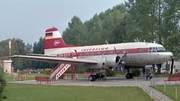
x=56 y=59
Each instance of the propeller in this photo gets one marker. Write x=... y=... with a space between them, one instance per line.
x=119 y=60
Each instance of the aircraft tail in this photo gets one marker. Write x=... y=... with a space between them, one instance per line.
x=53 y=39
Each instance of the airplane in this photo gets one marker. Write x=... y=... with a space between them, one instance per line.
x=98 y=57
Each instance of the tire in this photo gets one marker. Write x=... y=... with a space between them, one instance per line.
x=103 y=77
x=91 y=78
x=129 y=76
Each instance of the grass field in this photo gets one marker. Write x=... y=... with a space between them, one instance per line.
x=23 y=92
x=170 y=91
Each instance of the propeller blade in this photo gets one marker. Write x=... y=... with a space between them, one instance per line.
x=172 y=66
x=116 y=51
x=124 y=55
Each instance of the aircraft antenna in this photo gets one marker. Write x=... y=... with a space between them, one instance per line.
x=106 y=42
x=137 y=39
x=154 y=41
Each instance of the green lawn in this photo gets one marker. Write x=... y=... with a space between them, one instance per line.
x=22 y=92
x=170 y=91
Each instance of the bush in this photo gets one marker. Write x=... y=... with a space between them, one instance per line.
x=110 y=73
x=82 y=70
x=136 y=72
x=47 y=71
x=2 y=83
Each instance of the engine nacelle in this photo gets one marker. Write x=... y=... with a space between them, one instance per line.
x=110 y=61
x=104 y=62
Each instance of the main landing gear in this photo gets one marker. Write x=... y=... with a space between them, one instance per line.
x=129 y=75
x=98 y=76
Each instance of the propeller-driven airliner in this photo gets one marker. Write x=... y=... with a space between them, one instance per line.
x=98 y=57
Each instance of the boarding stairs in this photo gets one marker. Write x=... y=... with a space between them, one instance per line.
x=59 y=70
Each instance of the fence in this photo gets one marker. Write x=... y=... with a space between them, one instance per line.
x=154 y=94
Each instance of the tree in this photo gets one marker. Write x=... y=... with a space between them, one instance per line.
x=74 y=30
x=154 y=20
x=39 y=46
x=171 y=26
x=39 y=49
x=141 y=20
x=18 y=47
x=97 y=30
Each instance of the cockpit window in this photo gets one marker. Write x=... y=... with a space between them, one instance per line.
x=160 y=48
x=155 y=49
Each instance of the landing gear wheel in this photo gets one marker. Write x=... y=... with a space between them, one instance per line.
x=91 y=78
x=104 y=78
x=129 y=76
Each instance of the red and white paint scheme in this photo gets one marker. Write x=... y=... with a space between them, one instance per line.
x=65 y=67
x=100 y=57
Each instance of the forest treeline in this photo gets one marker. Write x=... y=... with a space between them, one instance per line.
x=145 y=20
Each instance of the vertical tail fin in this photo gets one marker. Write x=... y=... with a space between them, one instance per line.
x=53 y=39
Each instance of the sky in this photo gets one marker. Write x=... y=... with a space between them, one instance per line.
x=28 y=19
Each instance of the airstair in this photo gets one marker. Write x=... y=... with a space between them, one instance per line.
x=59 y=70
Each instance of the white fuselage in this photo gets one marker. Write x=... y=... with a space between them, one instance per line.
x=138 y=53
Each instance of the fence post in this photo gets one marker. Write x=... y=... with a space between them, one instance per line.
x=151 y=94
x=164 y=87
x=176 y=92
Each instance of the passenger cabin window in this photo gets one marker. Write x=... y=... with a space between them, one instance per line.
x=81 y=54
x=111 y=52
x=87 y=53
x=98 y=52
x=118 y=51
x=124 y=51
x=141 y=50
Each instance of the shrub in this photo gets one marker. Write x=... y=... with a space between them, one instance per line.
x=136 y=72
x=47 y=71
x=2 y=83
x=110 y=73
x=82 y=70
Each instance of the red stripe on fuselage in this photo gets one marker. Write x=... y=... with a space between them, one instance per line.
x=108 y=52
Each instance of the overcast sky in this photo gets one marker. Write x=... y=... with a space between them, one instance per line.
x=28 y=19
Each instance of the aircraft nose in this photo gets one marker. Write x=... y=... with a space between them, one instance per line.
x=170 y=54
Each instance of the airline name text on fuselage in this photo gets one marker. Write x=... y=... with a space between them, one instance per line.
x=94 y=49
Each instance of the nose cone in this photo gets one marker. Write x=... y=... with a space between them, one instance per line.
x=169 y=55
